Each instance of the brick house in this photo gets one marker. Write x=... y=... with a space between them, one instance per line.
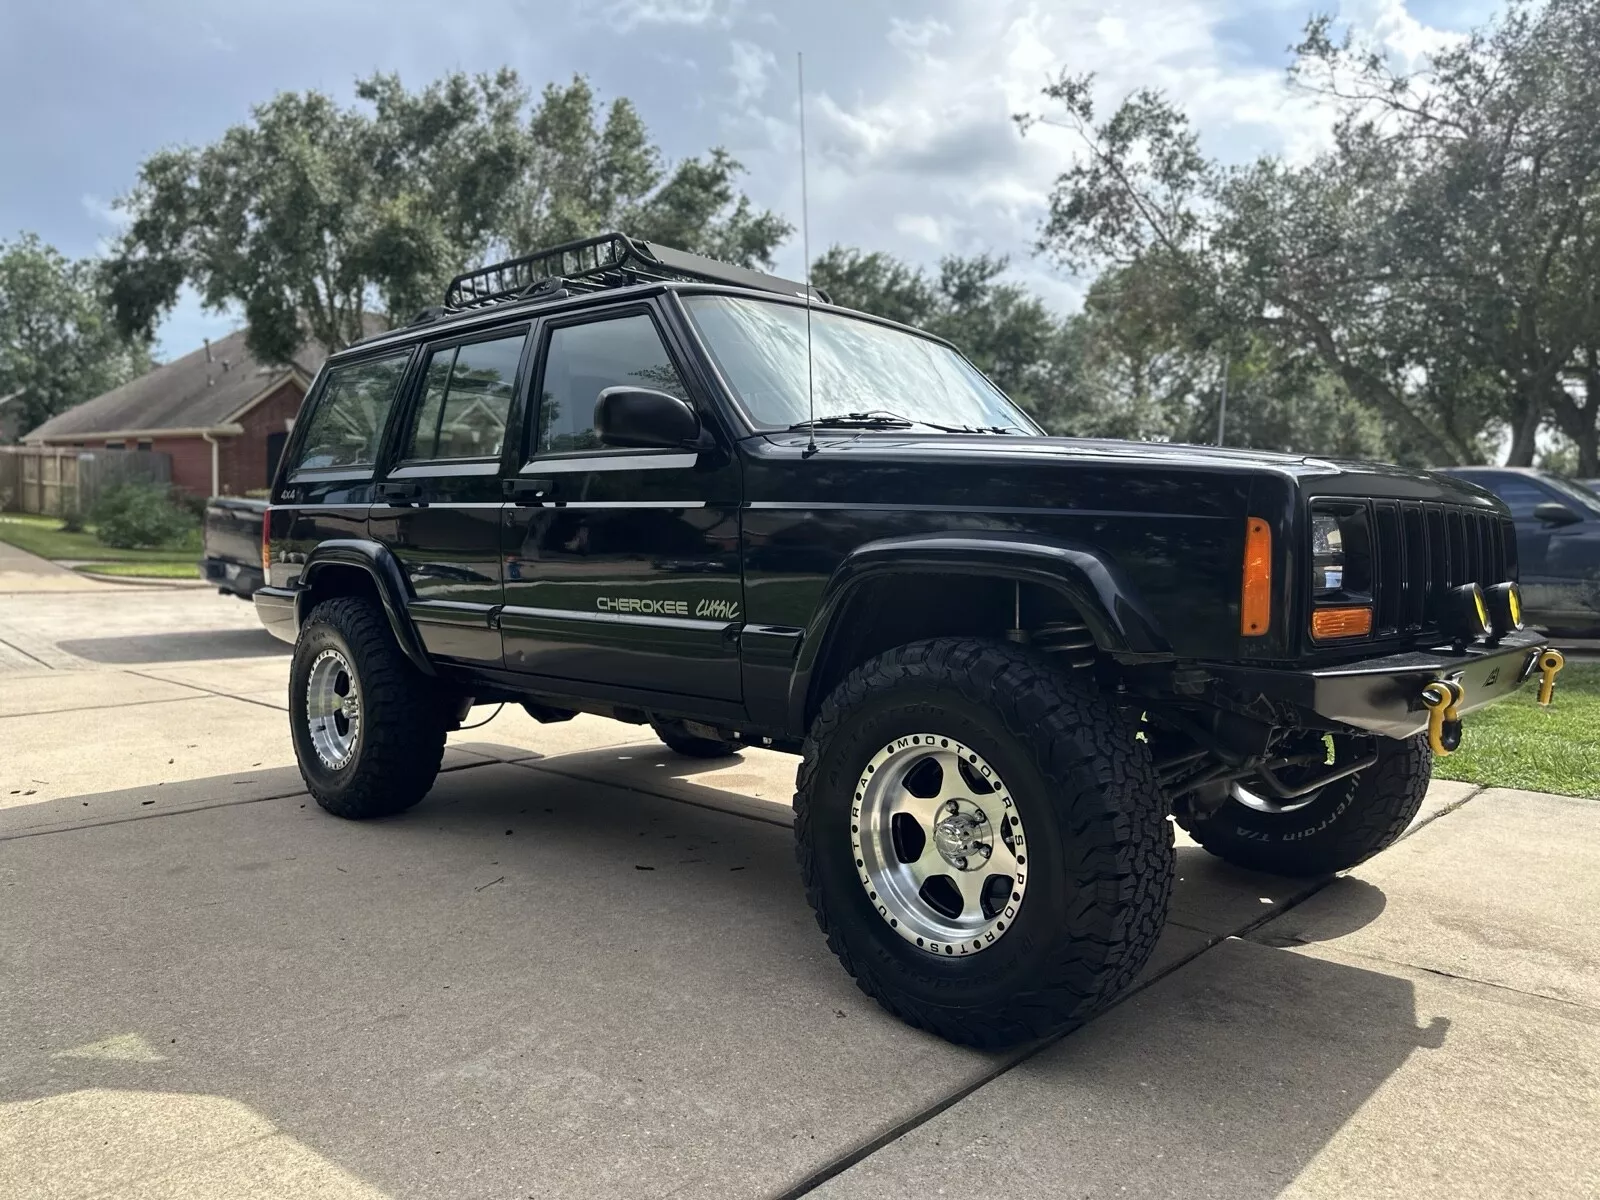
x=219 y=412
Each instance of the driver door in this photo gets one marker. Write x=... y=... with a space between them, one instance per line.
x=622 y=567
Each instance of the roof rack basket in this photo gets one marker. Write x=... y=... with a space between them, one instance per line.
x=594 y=264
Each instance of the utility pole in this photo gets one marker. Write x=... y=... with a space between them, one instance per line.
x=1222 y=409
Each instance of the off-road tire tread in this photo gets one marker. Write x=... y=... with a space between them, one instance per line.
x=1083 y=745
x=1389 y=795
x=400 y=753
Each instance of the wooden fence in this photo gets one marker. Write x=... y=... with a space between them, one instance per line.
x=45 y=479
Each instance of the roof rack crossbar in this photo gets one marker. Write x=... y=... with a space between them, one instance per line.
x=607 y=261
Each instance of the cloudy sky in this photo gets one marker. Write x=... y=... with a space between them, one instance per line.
x=909 y=101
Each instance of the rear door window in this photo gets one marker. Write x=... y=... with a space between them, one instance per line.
x=466 y=399
x=347 y=424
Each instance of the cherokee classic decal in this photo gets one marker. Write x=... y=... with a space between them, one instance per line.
x=716 y=609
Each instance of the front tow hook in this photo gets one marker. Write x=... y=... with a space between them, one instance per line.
x=1550 y=664
x=1444 y=722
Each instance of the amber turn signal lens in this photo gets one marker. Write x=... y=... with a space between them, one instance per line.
x=1255 y=600
x=1330 y=623
x=266 y=545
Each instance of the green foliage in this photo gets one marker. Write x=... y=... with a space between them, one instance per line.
x=1437 y=264
x=314 y=217
x=58 y=345
x=140 y=516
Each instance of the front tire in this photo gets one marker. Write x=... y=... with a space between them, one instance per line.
x=1344 y=824
x=368 y=732
x=974 y=929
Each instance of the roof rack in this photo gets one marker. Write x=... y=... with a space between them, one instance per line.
x=594 y=264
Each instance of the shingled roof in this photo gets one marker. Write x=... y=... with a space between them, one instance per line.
x=189 y=393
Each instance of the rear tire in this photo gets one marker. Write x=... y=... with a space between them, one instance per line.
x=679 y=739
x=1055 y=922
x=1346 y=824
x=368 y=730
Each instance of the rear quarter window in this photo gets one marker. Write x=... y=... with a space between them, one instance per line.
x=346 y=423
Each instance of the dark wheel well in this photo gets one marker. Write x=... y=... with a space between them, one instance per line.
x=338 y=579
x=895 y=609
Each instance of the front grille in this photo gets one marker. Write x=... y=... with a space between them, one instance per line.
x=1422 y=550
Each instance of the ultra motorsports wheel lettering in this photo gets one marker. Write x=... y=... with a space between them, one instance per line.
x=938 y=845
x=333 y=709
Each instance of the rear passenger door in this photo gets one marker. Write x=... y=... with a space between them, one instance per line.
x=438 y=506
x=622 y=565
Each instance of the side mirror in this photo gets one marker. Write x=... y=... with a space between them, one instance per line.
x=640 y=417
x=1552 y=513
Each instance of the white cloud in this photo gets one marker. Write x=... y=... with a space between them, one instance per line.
x=626 y=15
x=915 y=151
x=751 y=67
x=916 y=35
x=105 y=213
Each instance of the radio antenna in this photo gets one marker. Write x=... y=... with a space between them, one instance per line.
x=805 y=248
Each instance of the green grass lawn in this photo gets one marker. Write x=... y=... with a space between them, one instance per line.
x=144 y=569
x=1515 y=743
x=43 y=536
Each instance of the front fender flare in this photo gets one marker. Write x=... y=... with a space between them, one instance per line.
x=387 y=577
x=1093 y=584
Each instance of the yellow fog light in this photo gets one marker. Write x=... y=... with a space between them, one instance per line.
x=1469 y=612
x=1505 y=606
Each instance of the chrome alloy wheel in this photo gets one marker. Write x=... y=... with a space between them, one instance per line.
x=938 y=844
x=333 y=709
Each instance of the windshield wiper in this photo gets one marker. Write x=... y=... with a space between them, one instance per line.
x=857 y=420
x=881 y=419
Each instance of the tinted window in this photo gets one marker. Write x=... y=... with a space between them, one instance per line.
x=466 y=398
x=348 y=421
x=583 y=361
x=1519 y=494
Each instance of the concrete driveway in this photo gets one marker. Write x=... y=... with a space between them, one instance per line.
x=584 y=967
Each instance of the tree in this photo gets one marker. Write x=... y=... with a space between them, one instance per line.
x=58 y=344
x=1438 y=262
x=1006 y=331
x=313 y=218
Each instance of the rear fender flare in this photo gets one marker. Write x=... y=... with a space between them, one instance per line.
x=1117 y=620
x=387 y=577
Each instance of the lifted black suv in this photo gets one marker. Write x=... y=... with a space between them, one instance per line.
x=592 y=482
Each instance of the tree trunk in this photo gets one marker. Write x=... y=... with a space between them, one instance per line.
x=1524 y=432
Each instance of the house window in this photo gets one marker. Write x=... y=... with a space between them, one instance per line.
x=116 y=445
x=146 y=444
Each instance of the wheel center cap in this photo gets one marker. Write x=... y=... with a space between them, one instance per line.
x=963 y=838
x=350 y=706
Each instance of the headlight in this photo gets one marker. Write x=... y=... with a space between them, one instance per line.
x=1327 y=553
x=1341 y=554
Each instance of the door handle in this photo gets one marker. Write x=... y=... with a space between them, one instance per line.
x=402 y=494
x=530 y=492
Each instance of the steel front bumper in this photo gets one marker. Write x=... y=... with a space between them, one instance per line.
x=1384 y=695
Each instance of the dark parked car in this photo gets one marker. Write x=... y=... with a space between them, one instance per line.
x=599 y=480
x=1558 y=544
x=232 y=545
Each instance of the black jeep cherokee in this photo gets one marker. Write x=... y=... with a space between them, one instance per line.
x=597 y=480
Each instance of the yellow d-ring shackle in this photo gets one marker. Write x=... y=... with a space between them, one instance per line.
x=1550 y=664
x=1444 y=723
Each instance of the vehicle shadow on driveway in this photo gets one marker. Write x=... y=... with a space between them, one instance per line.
x=177 y=647
x=535 y=984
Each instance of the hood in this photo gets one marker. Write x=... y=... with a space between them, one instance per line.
x=1314 y=476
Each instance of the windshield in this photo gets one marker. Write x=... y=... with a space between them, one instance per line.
x=860 y=367
x=1586 y=500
